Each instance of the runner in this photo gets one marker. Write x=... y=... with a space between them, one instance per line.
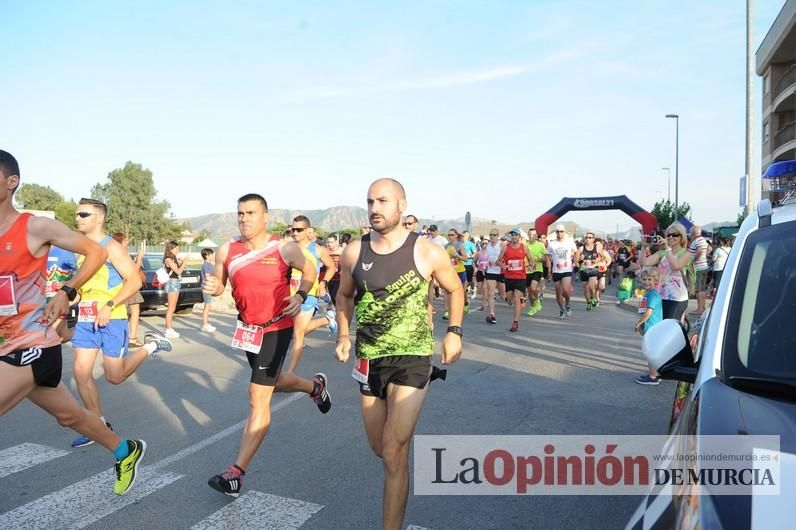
x=493 y=275
x=481 y=264
x=31 y=354
x=513 y=258
x=603 y=268
x=545 y=267
x=587 y=256
x=561 y=250
x=102 y=319
x=470 y=248
x=335 y=251
x=304 y=323
x=458 y=257
x=387 y=274
x=622 y=260
x=538 y=253
x=257 y=266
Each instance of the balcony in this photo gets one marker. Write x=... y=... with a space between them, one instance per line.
x=783 y=96
x=784 y=143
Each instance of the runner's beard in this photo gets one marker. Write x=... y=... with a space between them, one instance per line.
x=383 y=225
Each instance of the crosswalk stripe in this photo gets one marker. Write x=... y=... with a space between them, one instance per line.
x=260 y=510
x=84 y=502
x=22 y=456
x=416 y=527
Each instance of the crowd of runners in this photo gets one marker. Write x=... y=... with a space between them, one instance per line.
x=59 y=285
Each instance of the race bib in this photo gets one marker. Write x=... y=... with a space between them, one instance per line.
x=642 y=306
x=361 y=370
x=514 y=265
x=8 y=301
x=87 y=311
x=248 y=337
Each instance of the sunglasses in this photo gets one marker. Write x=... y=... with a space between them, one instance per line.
x=493 y=235
x=452 y=235
x=297 y=229
x=559 y=231
x=673 y=235
x=83 y=215
x=589 y=237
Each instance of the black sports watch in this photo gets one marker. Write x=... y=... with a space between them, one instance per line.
x=303 y=295
x=109 y=303
x=71 y=292
x=456 y=329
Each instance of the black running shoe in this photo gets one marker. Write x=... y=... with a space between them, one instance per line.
x=228 y=482
x=323 y=399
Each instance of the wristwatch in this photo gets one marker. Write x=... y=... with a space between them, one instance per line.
x=303 y=295
x=71 y=292
x=109 y=303
x=455 y=329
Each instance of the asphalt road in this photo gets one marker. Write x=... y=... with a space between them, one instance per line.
x=316 y=471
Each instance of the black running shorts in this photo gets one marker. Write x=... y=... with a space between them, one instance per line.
x=531 y=277
x=493 y=276
x=515 y=285
x=267 y=364
x=45 y=362
x=469 y=269
x=480 y=276
x=404 y=370
x=585 y=274
x=558 y=276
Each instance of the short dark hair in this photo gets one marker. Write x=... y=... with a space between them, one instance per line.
x=302 y=219
x=119 y=236
x=96 y=203
x=345 y=238
x=9 y=165
x=332 y=236
x=414 y=219
x=206 y=252
x=254 y=197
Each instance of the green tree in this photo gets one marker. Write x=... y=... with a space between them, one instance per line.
x=204 y=234
x=277 y=228
x=132 y=208
x=65 y=212
x=664 y=212
x=37 y=197
x=740 y=219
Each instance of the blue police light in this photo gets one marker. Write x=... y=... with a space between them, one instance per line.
x=780 y=177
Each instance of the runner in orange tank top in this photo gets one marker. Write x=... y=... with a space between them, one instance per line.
x=30 y=348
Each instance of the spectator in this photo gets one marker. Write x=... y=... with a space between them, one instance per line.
x=651 y=310
x=206 y=270
x=174 y=268
x=720 y=256
x=699 y=256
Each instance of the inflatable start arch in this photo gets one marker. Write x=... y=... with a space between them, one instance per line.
x=620 y=202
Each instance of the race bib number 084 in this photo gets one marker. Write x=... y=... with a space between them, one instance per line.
x=248 y=337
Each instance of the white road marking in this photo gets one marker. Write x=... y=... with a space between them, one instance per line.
x=89 y=500
x=416 y=527
x=22 y=456
x=84 y=502
x=260 y=510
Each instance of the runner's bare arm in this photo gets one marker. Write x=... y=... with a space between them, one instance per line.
x=42 y=233
x=444 y=273
x=499 y=261
x=122 y=262
x=328 y=274
x=345 y=300
x=294 y=257
x=215 y=283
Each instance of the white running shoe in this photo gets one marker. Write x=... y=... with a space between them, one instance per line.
x=209 y=328
x=171 y=334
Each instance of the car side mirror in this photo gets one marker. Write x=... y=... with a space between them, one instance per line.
x=667 y=350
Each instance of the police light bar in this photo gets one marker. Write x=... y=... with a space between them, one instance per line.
x=780 y=177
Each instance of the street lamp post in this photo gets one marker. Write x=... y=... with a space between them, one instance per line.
x=668 y=183
x=676 y=161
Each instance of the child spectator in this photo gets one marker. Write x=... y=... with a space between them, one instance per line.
x=651 y=310
x=207 y=268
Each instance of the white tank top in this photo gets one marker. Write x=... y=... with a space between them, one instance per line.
x=494 y=253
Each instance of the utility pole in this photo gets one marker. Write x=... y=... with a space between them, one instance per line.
x=752 y=188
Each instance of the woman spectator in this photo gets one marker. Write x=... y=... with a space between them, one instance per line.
x=671 y=260
x=720 y=256
x=481 y=264
x=174 y=268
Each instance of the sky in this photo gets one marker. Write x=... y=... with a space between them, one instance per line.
x=497 y=108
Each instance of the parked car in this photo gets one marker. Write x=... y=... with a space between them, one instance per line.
x=741 y=380
x=154 y=292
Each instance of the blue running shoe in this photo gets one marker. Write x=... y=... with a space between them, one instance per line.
x=330 y=316
x=84 y=441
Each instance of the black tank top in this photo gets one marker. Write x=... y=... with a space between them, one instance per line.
x=589 y=258
x=391 y=303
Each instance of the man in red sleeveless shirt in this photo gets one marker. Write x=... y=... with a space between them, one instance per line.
x=30 y=347
x=258 y=268
x=513 y=257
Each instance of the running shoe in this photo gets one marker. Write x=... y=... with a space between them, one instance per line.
x=325 y=298
x=561 y=314
x=568 y=307
x=161 y=343
x=127 y=468
x=491 y=319
x=482 y=308
x=322 y=398
x=170 y=333
x=473 y=295
x=445 y=315
x=647 y=380
x=532 y=311
x=538 y=304
x=466 y=308
x=588 y=305
x=331 y=317
x=228 y=482
x=515 y=326
x=84 y=441
x=208 y=328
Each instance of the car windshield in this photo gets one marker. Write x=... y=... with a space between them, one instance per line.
x=761 y=326
x=152 y=263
